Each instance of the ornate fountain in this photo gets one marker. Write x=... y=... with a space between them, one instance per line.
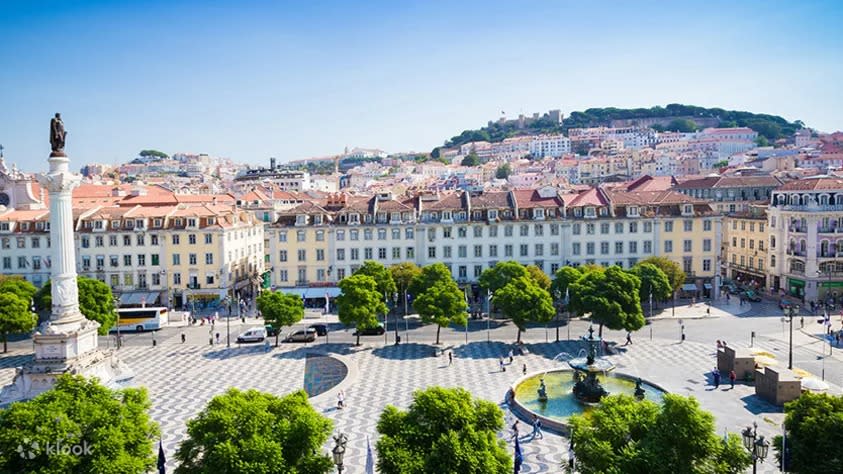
x=587 y=388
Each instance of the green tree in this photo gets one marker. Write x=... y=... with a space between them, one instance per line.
x=381 y=275
x=18 y=286
x=96 y=302
x=670 y=268
x=562 y=280
x=653 y=281
x=254 y=432
x=814 y=425
x=15 y=317
x=471 y=159
x=360 y=303
x=611 y=297
x=495 y=278
x=403 y=275
x=280 y=309
x=113 y=424
x=153 y=153
x=721 y=164
x=429 y=276
x=762 y=141
x=524 y=301
x=539 y=276
x=441 y=301
x=444 y=430
x=623 y=435
x=503 y=171
x=681 y=125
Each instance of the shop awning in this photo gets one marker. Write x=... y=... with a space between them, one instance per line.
x=707 y=286
x=689 y=287
x=331 y=291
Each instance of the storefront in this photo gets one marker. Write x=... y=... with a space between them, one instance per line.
x=830 y=292
x=796 y=288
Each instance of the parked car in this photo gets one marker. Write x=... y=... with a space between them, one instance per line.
x=271 y=331
x=752 y=296
x=321 y=329
x=302 y=335
x=252 y=335
x=375 y=331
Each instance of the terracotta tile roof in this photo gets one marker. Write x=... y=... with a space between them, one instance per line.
x=530 y=198
x=650 y=183
x=817 y=183
x=592 y=197
x=490 y=200
x=24 y=215
x=451 y=200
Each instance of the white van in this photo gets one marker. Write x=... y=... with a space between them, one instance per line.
x=252 y=335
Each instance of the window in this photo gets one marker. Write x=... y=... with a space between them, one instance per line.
x=648 y=247
x=554 y=249
x=604 y=248
x=493 y=250
x=538 y=230
x=86 y=262
x=760 y=227
x=523 y=250
x=706 y=245
x=155 y=261
x=539 y=250
x=707 y=264
x=707 y=227
x=633 y=247
x=619 y=227
x=209 y=238
x=191 y=239
x=493 y=231
x=141 y=260
x=191 y=259
x=686 y=245
x=772 y=242
x=340 y=254
x=589 y=248
x=478 y=251
x=284 y=276
x=86 y=242
x=524 y=230
x=687 y=265
x=446 y=232
x=633 y=227
x=209 y=259
x=668 y=226
x=355 y=254
x=98 y=241
x=462 y=232
x=301 y=255
x=604 y=228
x=409 y=233
x=176 y=259
x=320 y=255
x=209 y=279
x=127 y=260
x=743 y=243
x=175 y=239
x=153 y=239
x=431 y=252
x=7 y=263
x=300 y=236
x=507 y=250
x=367 y=253
x=575 y=248
x=112 y=240
x=176 y=278
x=411 y=253
x=575 y=229
x=668 y=246
x=354 y=234
x=462 y=251
x=751 y=244
x=156 y=279
x=367 y=234
x=446 y=251
x=381 y=234
x=507 y=231
x=648 y=227
x=478 y=231
x=618 y=247
x=688 y=225
x=128 y=279
x=589 y=229
x=554 y=229
x=396 y=253
x=382 y=253
x=282 y=255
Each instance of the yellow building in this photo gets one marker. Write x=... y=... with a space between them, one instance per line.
x=744 y=250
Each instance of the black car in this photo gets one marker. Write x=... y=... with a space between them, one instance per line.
x=271 y=331
x=321 y=329
x=375 y=331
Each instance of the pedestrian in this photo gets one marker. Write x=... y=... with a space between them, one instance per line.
x=340 y=400
x=628 y=338
x=537 y=428
x=727 y=297
x=511 y=356
x=515 y=430
x=716 y=375
x=524 y=369
x=266 y=345
x=450 y=358
x=719 y=344
x=683 y=333
x=801 y=321
x=218 y=338
x=503 y=367
x=183 y=338
x=732 y=377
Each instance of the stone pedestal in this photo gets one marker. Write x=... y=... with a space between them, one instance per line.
x=67 y=343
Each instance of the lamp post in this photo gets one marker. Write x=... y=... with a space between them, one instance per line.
x=489 y=316
x=117 y=310
x=790 y=312
x=339 y=450
x=756 y=445
x=395 y=311
x=568 y=311
x=227 y=302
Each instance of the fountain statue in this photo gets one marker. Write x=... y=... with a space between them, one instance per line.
x=587 y=388
x=542 y=391
x=639 y=391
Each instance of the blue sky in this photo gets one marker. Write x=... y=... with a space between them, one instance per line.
x=250 y=80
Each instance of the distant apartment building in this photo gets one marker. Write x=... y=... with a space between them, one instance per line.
x=729 y=194
x=631 y=137
x=745 y=245
x=550 y=145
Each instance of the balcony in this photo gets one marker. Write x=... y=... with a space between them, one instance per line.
x=797 y=253
x=797 y=230
x=812 y=207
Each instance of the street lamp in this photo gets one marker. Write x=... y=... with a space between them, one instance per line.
x=790 y=312
x=227 y=302
x=339 y=450
x=395 y=311
x=117 y=310
x=756 y=445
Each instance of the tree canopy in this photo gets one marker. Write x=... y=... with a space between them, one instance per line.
x=381 y=275
x=403 y=275
x=441 y=301
x=562 y=280
x=681 y=125
x=15 y=317
x=670 y=268
x=360 y=303
x=96 y=302
x=102 y=430
x=18 y=286
x=611 y=297
x=539 y=277
x=429 y=276
x=153 y=153
x=280 y=309
x=495 y=278
x=444 y=430
x=471 y=160
x=814 y=425
x=623 y=435
x=254 y=432
x=524 y=301
x=653 y=280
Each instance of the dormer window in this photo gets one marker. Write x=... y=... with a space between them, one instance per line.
x=461 y=216
x=368 y=218
x=577 y=212
x=157 y=222
x=354 y=218
x=39 y=226
x=191 y=222
x=24 y=226
x=687 y=209
x=604 y=212
x=446 y=215
x=212 y=221
x=129 y=224
x=178 y=222
x=395 y=217
x=301 y=219
x=317 y=219
x=4 y=226
x=98 y=225
x=381 y=218
x=538 y=213
x=139 y=223
x=590 y=212
x=632 y=211
x=493 y=214
x=115 y=224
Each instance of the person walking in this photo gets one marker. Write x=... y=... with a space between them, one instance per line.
x=732 y=377
x=628 y=338
x=511 y=356
x=515 y=430
x=503 y=368
x=183 y=338
x=218 y=338
x=537 y=428
x=716 y=375
x=524 y=369
x=450 y=358
x=683 y=333
x=340 y=400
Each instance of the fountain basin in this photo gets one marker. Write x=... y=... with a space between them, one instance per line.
x=561 y=404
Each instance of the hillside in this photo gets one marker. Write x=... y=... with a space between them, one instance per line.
x=672 y=116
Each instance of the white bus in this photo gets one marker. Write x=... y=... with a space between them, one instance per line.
x=140 y=319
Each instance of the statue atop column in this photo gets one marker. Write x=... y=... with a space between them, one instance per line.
x=57 y=136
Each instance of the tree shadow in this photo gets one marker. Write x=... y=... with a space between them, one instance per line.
x=550 y=350
x=408 y=351
x=755 y=405
x=232 y=352
x=483 y=350
x=317 y=349
x=479 y=325
x=19 y=360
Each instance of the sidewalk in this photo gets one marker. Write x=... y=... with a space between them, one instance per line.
x=699 y=310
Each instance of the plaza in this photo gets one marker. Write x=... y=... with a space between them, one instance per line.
x=182 y=378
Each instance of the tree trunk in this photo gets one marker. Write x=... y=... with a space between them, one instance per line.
x=600 y=331
x=518 y=340
x=438 y=328
x=358 y=337
x=277 y=335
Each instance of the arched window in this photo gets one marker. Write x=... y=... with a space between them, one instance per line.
x=823 y=199
x=772 y=241
x=802 y=246
x=824 y=248
x=772 y=261
x=797 y=266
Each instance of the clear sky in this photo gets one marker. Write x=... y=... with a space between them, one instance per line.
x=250 y=80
